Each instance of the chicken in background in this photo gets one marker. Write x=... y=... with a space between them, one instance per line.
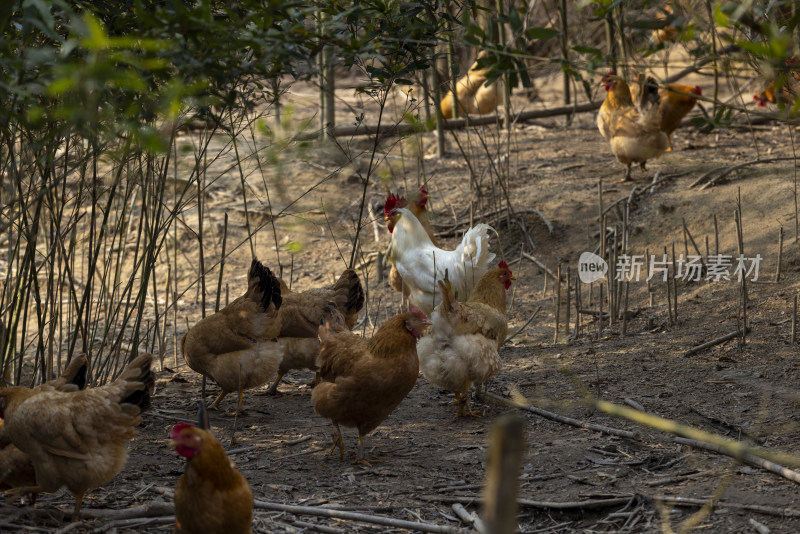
x=785 y=88
x=421 y=264
x=473 y=95
x=211 y=496
x=675 y=102
x=363 y=381
x=78 y=439
x=237 y=347
x=16 y=467
x=634 y=132
x=461 y=346
x=668 y=32
x=420 y=211
x=302 y=309
x=618 y=97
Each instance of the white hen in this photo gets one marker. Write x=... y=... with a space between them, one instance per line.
x=422 y=265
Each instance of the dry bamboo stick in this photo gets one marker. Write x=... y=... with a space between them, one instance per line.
x=713 y=342
x=565 y=420
x=772 y=467
x=506 y=447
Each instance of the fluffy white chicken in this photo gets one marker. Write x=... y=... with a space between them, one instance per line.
x=462 y=343
x=422 y=265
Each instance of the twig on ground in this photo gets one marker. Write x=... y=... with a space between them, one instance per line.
x=521 y=328
x=772 y=467
x=541 y=265
x=566 y=420
x=353 y=516
x=713 y=342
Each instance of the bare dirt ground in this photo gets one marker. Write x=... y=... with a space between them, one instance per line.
x=427 y=460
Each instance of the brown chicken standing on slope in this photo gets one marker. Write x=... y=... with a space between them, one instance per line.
x=618 y=97
x=420 y=211
x=474 y=97
x=301 y=310
x=16 y=467
x=461 y=346
x=363 y=381
x=78 y=439
x=211 y=496
x=675 y=102
x=237 y=347
x=634 y=132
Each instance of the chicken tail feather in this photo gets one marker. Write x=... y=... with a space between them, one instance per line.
x=350 y=282
x=448 y=298
x=137 y=381
x=77 y=371
x=263 y=286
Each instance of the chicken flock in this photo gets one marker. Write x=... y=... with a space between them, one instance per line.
x=63 y=434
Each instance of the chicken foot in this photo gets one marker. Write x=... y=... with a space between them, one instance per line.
x=462 y=398
x=361 y=457
x=273 y=389
x=215 y=404
x=337 y=441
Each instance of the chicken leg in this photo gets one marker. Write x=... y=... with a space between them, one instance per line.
x=273 y=389
x=361 y=457
x=337 y=441
x=76 y=515
x=215 y=404
x=462 y=398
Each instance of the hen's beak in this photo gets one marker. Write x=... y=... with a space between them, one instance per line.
x=513 y=277
x=173 y=444
x=387 y=218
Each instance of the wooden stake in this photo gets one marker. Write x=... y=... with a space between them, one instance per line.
x=648 y=262
x=600 y=315
x=716 y=236
x=578 y=306
x=558 y=303
x=625 y=311
x=794 y=321
x=506 y=447
x=669 y=292
x=780 y=254
x=568 y=303
x=674 y=284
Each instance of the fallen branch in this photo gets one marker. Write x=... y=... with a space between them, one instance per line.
x=353 y=516
x=469 y=518
x=723 y=339
x=567 y=505
x=767 y=465
x=448 y=124
x=706 y=181
x=450 y=230
x=521 y=328
x=688 y=501
x=540 y=264
x=566 y=420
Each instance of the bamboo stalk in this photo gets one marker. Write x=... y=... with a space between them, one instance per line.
x=506 y=447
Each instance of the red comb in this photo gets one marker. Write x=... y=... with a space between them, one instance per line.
x=393 y=202
x=419 y=313
x=698 y=90
x=503 y=265
x=176 y=430
x=423 y=196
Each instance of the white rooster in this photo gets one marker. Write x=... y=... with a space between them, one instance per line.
x=422 y=265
